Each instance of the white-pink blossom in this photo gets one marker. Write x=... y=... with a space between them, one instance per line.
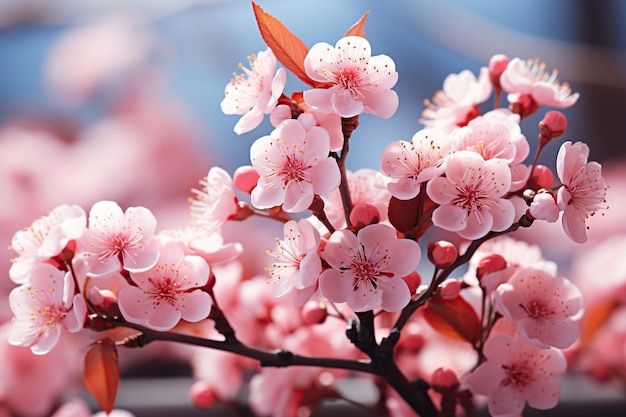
x=516 y=372
x=294 y=165
x=43 y=307
x=215 y=202
x=298 y=264
x=116 y=239
x=358 y=82
x=409 y=164
x=366 y=269
x=543 y=306
x=584 y=189
x=168 y=292
x=44 y=239
x=470 y=196
x=456 y=104
x=329 y=121
x=255 y=92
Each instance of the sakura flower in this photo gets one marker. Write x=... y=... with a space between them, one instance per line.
x=117 y=239
x=366 y=270
x=515 y=373
x=584 y=189
x=470 y=197
x=409 y=164
x=299 y=265
x=255 y=92
x=456 y=104
x=543 y=306
x=530 y=86
x=168 y=292
x=358 y=82
x=293 y=165
x=43 y=307
x=215 y=203
x=45 y=239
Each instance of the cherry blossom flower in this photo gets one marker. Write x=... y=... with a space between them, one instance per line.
x=359 y=82
x=543 y=306
x=367 y=269
x=43 y=307
x=117 y=239
x=530 y=86
x=409 y=164
x=44 y=239
x=456 y=104
x=255 y=92
x=293 y=165
x=584 y=189
x=298 y=265
x=515 y=373
x=215 y=203
x=470 y=197
x=168 y=292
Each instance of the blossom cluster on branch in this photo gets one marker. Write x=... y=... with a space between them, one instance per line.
x=340 y=297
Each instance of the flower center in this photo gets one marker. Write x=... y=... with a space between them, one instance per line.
x=349 y=78
x=164 y=290
x=517 y=375
x=537 y=310
x=293 y=169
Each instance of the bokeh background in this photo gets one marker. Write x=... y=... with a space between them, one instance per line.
x=119 y=99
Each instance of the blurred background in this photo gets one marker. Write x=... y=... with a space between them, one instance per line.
x=119 y=99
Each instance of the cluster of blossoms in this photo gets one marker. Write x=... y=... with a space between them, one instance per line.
x=350 y=244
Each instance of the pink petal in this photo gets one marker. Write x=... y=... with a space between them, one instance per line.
x=321 y=57
x=335 y=285
x=449 y=217
x=382 y=103
x=404 y=188
x=195 y=271
x=298 y=196
x=503 y=213
x=364 y=298
x=249 y=121
x=48 y=340
x=197 y=306
x=338 y=250
x=310 y=269
x=543 y=394
x=264 y=197
x=344 y=103
x=507 y=401
x=396 y=294
x=485 y=379
x=164 y=318
x=320 y=99
x=325 y=176
x=134 y=305
x=405 y=256
x=574 y=224
x=479 y=223
x=560 y=334
x=441 y=190
x=374 y=235
x=317 y=141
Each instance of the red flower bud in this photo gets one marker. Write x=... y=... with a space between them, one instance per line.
x=314 y=312
x=202 y=395
x=364 y=214
x=490 y=264
x=449 y=289
x=442 y=253
x=245 y=178
x=413 y=280
x=497 y=65
x=552 y=126
x=444 y=379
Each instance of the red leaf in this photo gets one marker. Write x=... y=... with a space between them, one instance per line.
x=102 y=373
x=595 y=318
x=287 y=47
x=358 y=29
x=453 y=318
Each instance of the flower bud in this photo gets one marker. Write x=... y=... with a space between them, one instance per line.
x=444 y=379
x=314 y=312
x=541 y=177
x=552 y=126
x=413 y=280
x=202 y=395
x=497 y=65
x=442 y=253
x=411 y=337
x=490 y=264
x=544 y=207
x=364 y=214
x=449 y=289
x=245 y=178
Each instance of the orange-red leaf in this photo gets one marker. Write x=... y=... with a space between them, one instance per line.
x=102 y=373
x=358 y=29
x=287 y=47
x=595 y=317
x=453 y=318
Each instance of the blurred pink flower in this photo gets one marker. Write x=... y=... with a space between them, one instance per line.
x=329 y=121
x=168 y=292
x=456 y=104
x=298 y=264
x=215 y=203
x=43 y=307
x=470 y=197
x=359 y=82
x=44 y=239
x=515 y=373
x=543 y=306
x=116 y=239
x=409 y=164
x=584 y=189
x=366 y=269
x=293 y=165
x=255 y=92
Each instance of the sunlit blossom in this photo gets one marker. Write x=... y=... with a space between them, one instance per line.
x=214 y=203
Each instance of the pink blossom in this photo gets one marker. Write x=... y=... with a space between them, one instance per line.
x=409 y=164
x=215 y=203
x=543 y=306
x=43 y=307
x=293 y=165
x=298 y=265
x=456 y=104
x=515 y=373
x=584 y=189
x=44 y=239
x=366 y=270
x=359 y=82
x=470 y=197
x=255 y=92
x=117 y=239
x=168 y=292
x=529 y=80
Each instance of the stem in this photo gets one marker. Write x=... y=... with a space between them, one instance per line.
x=347 y=127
